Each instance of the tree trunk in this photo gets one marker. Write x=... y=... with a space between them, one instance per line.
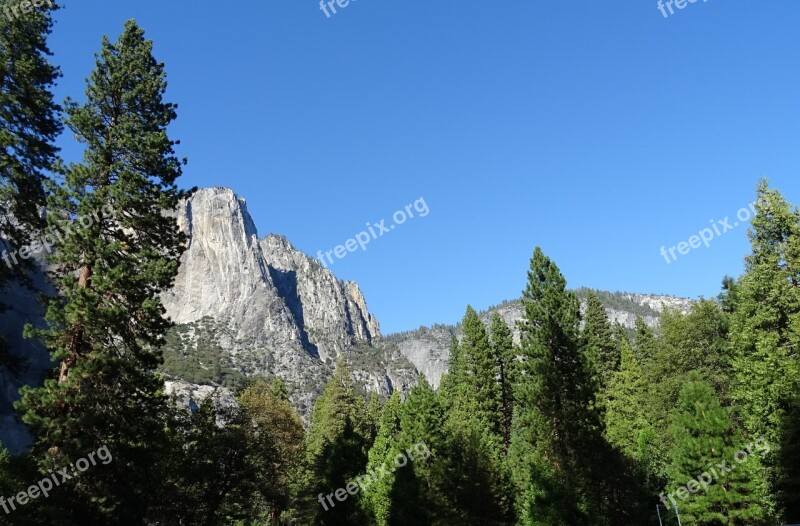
x=77 y=336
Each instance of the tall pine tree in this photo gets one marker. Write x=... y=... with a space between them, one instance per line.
x=505 y=356
x=337 y=446
x=123 y=250
x=602 y=351
x=765 y=332
x=555 y=426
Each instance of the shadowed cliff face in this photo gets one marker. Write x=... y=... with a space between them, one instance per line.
x=24 y=361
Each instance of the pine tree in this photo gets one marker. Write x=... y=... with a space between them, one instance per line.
x=554 y=427
x=482 y=371
x=601 y=350
x=703 y=438
x=29 y=123
x=108 y=322
x=645 y=342
x=378 y=497
x=505 y=356
x=765 y=333
x=337 y=446
x=453 y=477
x=626 y=420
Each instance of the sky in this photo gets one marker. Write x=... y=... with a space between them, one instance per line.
x=600 y=131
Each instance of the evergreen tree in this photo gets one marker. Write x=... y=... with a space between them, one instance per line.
x=765 y=332
x=482 y=371
x=378 y=497
x=626 y=419
x=214 y=479
x=601 y=350
x=452 y=479
x=645 y=342
x=554 y=426
x=505 y=356
x=703 y=438
x=337 y=446
x=29 y=123
x=107 y=323
x=454 y=379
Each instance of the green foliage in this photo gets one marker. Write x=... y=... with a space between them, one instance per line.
x=704 y=438
x=645 y=343
x=555 y=423
x=626 y=417
x=575 y=426
x=602 y=351
x=29 y=123
x=765 y=333
x=617 y=300
x=506 y=358
x=108 y=319
x=337 y=446
x=451 y=476
x=194 y=357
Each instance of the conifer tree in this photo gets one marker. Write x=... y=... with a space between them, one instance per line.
x=378 y=498
x=503 y=350
x=765 y=333
x=337 y=446
x=482 y=371
x=29 y=124
x=645 y=341
x=601 y=350
x=107 y=323
x=555 y=426
x=453 y=380
x=704 y=438
x=453 y=477
x=626 y=419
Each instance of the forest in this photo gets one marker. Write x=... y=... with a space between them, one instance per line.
x=579 y=423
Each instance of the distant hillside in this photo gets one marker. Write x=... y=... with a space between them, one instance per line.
x=428 y=347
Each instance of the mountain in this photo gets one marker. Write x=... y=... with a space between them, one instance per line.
x=247 y=306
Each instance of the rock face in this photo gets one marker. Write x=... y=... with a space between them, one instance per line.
x=24 y=361
x=273 y=310
x=428 y=348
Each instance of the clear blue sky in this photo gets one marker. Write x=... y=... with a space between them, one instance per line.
x=597 y=130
